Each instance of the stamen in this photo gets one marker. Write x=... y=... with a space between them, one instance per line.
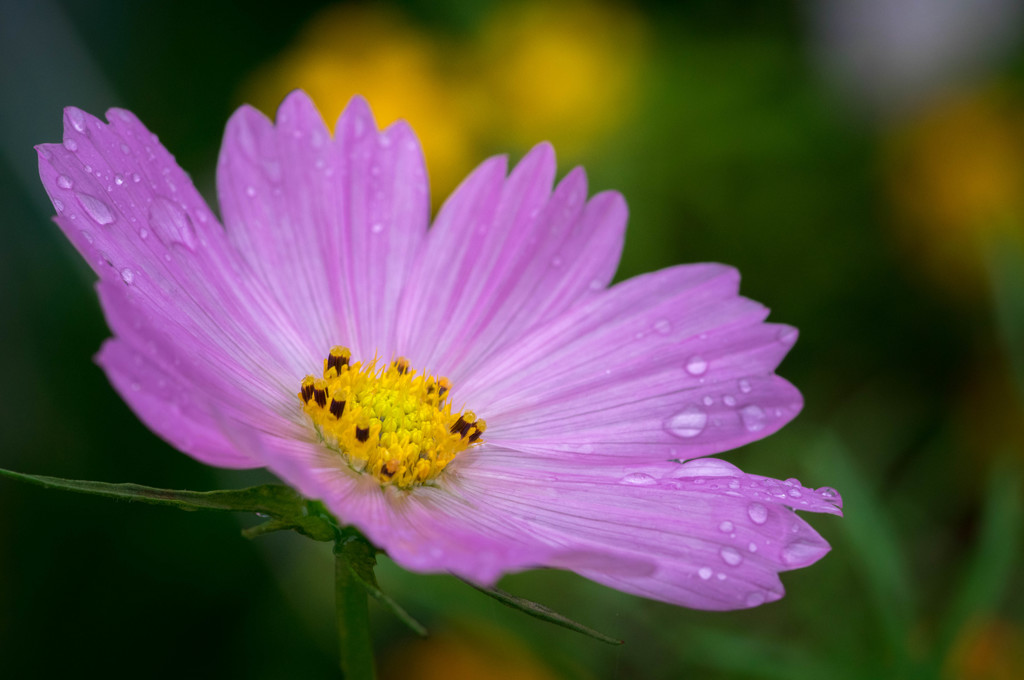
x=386 y=420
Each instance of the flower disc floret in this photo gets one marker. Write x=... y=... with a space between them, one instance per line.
x=387 y=421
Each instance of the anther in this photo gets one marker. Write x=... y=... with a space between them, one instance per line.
x=478 y=429
x=338 y=357
x=307 y=388
x=362 y=433
x=401 y=364
x=320 y=392
x=337 y=407
x=443 y=385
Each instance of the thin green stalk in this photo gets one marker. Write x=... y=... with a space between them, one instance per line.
x=352 y=605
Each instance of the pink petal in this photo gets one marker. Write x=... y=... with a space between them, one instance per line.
x=505 y=255
x=168 y=277
x=330 y=226
x=667 y=365
x=716 y=537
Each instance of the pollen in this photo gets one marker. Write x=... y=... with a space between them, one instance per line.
x=387 y=420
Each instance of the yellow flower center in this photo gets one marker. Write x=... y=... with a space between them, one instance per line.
x=387 y=421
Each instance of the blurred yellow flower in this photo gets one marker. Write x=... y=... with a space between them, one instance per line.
x=465 y=654
x=992 y=649
x=566 y=72
x=372 y=51
x=534 y=71
x=955 y=176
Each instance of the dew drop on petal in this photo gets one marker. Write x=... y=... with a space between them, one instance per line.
x=708 y=400
x=96 y=209
x=731 y=556
x=755 y=599
x=70 y=145
x=118 y=180
x=753 y=417
x=794 y=493
x=726 y=526
x=752 y=547
x=64 y=182
x=77 y=118
x=800 y=552
x=744 y=385
x=377 y=228
x=704 y=573
x=663 y=326
x=689 y=422
x=729 y=400
x=136 y=178
x=638 y=479
x=758 y=513
x=127 y=276
x=696 y=365
x=828 y=492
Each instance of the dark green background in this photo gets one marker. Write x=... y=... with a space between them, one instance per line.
x=741 y=152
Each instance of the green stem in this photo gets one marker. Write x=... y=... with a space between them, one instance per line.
x=351 y=603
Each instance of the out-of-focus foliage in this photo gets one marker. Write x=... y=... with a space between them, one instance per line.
x=860 y=162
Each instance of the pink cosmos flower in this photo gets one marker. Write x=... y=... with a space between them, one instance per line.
x=474 y=397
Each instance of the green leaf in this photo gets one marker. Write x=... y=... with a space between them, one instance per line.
x=874 y=541
x=990 y=567
x=543 y=613
x=1006 y=275
x=360 y=556
x=274 y=500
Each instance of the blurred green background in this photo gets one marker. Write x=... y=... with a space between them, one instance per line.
x=861 y=162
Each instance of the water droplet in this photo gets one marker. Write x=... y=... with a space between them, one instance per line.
x=730 y=556
x=171 y=224
x=828 y=492
x=753 y=417
x=787 y=335
x=88 y=168
x=755 y=599
x=638 y=479
x=250 y=191
x=752 y=547
x=689 y=422
x=143 y=233
x=127 y=275
x=64 y=182
x=720 y=576
x=118 y=180
x=708 y=400
x=744 y=385
x=758 y=513
x=695 y=365
x=729 y=400
x=800 y=552
x=726 y=527
x=794 y=493
x=70 y=145
x=95 y=208
x=384 y=141
x=77 y=118
x=704 y=573
x=377 y=228
x=136 y=178
x=87 y=236
x=125 y=149
x=663 y=326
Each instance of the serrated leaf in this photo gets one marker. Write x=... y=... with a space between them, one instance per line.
x=539 y=611
x=274 y=500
